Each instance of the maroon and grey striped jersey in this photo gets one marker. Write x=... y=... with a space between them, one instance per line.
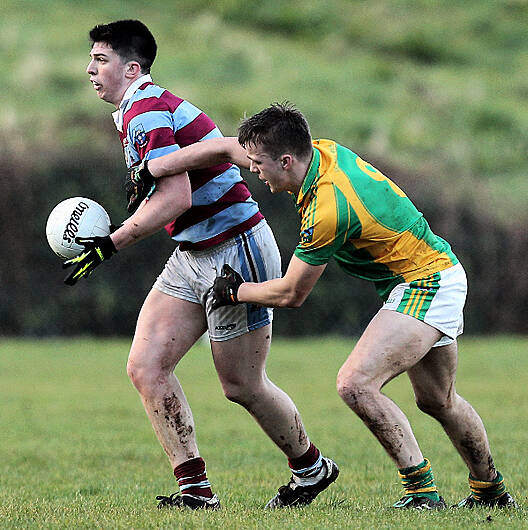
x=153 y=122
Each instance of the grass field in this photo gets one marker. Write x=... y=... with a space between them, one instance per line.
x=77 y=450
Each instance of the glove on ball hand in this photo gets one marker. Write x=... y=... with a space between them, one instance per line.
x=96 y=250
x=139 y=185
x=225 y=288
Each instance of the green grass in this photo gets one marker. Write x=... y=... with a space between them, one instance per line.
x=78 y=452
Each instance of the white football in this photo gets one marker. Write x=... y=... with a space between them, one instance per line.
x=75 y=217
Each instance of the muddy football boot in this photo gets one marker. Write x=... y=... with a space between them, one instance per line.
x=192 y=502
x=294 y=494
x=504 y=501
x=418 y=502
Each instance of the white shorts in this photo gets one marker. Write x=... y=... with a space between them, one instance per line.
x=189 y=275
x=437 y=300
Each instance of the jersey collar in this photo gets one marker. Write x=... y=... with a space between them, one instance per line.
x=118 y=114
x=311 y=176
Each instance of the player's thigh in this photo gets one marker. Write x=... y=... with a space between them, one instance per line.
x=255 y=255
x=433 y=378
x=242 y=360
x=167 y=327
x=391 y=344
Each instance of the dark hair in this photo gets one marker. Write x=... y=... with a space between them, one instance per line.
x=279 y=128
x=130 y=39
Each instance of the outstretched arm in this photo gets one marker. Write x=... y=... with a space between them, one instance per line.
x=200 y=155
x=289 y=291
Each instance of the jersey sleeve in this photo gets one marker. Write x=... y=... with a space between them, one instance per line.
x=326 y=224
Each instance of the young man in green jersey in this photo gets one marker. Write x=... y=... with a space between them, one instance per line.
x=352 y=212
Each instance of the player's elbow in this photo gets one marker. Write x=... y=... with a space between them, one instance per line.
x=293 y=299
x=294 y=303
x=234 y=152
x=185 y=202
x=177 y=194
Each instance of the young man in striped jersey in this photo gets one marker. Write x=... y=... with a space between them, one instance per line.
x=352 y=212
x=214 y=220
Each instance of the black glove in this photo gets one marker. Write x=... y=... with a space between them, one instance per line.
x=96 y=250
x=139 y=185
x=225 y=288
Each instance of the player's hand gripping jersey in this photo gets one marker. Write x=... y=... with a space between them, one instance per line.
x=153 y=122
x=351 y=211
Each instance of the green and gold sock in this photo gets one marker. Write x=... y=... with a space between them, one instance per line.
x=485 y=491
x=419 y=481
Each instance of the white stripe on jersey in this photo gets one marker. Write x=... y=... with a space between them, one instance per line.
x=215 y=133
x=160 y=151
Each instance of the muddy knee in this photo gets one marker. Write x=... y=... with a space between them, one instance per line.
x=147 y=375
x=353 y=388
x=435 y=406
x=238 y=393
x=143 y=377
x=241 y=392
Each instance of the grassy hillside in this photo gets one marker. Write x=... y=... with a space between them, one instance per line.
x=434 y=93
x=439 y=88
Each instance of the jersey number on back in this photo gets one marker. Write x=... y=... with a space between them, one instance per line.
x=378 y=175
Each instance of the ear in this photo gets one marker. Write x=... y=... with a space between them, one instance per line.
x=133 y=69
x=286 y=161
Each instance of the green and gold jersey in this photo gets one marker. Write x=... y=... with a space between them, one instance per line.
x=351 y=211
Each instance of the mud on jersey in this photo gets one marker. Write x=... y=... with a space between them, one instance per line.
x=352 y=212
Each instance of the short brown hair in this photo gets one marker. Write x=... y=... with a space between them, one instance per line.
x=279 y=128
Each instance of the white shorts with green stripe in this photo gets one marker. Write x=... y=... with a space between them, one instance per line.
x=437 y=300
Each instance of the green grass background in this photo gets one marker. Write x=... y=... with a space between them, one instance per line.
x=77 y=450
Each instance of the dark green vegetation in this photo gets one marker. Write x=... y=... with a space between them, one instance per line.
x=435 y=94
x=78 y=451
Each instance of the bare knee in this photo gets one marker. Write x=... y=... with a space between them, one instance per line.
x=239 y=391
x=353 y=388
x=136 y=373
x=142 y=375
x=246 y=389
x=147 y=375
x=243 y=387
x=435 y=405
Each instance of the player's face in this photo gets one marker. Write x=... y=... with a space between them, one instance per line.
x=269 y=170
x=107 y=73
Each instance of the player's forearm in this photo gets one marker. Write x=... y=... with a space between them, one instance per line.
x=289 y=291
x=171 y=198
x=272 y=293
x=200 y=155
